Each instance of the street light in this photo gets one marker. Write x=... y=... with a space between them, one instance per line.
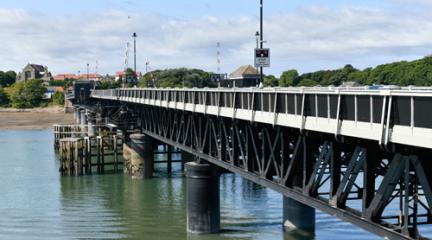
x=261 y=34
x=134 y=35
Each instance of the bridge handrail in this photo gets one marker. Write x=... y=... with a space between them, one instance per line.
x=387 y=110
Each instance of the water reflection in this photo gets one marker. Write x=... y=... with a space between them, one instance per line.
x=38 y=204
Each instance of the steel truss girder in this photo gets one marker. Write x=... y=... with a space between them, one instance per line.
x=297 y=164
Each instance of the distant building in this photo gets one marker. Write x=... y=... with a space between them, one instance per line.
x=108 y=78
x=91 y=76
x=50 y=91
x=34 y=71
x=84 y=76
x=244 y=76
x=63 y=77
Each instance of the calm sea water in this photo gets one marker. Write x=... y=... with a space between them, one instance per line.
x=36 y=203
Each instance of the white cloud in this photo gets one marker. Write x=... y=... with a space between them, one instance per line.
x=308 y=39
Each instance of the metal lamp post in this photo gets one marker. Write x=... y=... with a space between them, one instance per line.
x=261 y=34
x=134 y=35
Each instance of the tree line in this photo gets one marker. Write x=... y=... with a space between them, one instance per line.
x=403 y=73
x=177 y=78
x=25 y=94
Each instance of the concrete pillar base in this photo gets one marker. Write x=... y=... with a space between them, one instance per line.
x=185 y=158
x=139 y=157
x=203 y=201
x=91 y=131
x=78 y=116
x=296 y=215
x=83 y=118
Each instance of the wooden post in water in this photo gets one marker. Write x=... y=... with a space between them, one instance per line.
x=88 y=155
x=115 y=152
x=98 y=154
x=102 y=148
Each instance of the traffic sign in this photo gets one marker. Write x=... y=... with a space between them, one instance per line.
x=262 y=57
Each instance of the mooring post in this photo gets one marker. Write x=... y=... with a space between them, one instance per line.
x=298 y=216
x=203 y=201
x=141 y=156
x=169 y=158
x=115 y=152
x=88 y=157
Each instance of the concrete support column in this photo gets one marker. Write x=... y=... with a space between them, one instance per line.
x=203 y=201
x=185 y=158
x=75 y=112
x=91 y=128
x=141 y=156
x=83 y=115
x=78 y=115
x=296 y=215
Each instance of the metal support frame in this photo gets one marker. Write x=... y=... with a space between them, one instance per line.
x=312 y=168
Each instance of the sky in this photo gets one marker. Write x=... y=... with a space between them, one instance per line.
x=306 y=35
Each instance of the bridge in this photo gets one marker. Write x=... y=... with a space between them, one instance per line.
x=361 y=155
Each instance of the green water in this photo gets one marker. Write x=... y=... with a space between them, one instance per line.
x=36 y=203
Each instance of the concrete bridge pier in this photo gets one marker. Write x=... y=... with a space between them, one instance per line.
x=83 y=118
x=138 y=157
x=297 y=216
x=91 y=125
x=185 y=158
x=203 y=201
x=76 y=114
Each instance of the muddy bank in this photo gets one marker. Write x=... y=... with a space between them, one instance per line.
x=38 y=118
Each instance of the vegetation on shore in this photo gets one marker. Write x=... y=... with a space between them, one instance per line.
x=404 y=73
x=177 y=78
x=28 y=94
x=419 y=73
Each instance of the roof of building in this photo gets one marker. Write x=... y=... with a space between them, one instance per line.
x=90 y=75
x=38 y=68
x=243 y=71
x=62 y=77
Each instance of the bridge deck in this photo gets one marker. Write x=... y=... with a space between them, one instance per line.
x=399 y=116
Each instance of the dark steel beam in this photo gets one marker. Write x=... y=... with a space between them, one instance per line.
x=343 y=214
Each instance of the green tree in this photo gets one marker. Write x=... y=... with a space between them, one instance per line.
x=288 y=78
x=7 y=78
x=58 y=98
x=27 y=94
x=270 y=81
x=107 y=85
x=4 y=100
x=177 y=78
x=307 y=83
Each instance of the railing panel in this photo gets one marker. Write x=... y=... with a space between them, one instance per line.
x=377 y=104
x=348 y=108
x=422 y=112
x=322 y=106
x=402 y=111
x=363 y=108
x=310 y=109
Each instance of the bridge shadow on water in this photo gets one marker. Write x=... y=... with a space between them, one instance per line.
x=113 y=206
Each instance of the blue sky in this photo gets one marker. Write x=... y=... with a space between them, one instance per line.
x=185 y=9
x=306 y=35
